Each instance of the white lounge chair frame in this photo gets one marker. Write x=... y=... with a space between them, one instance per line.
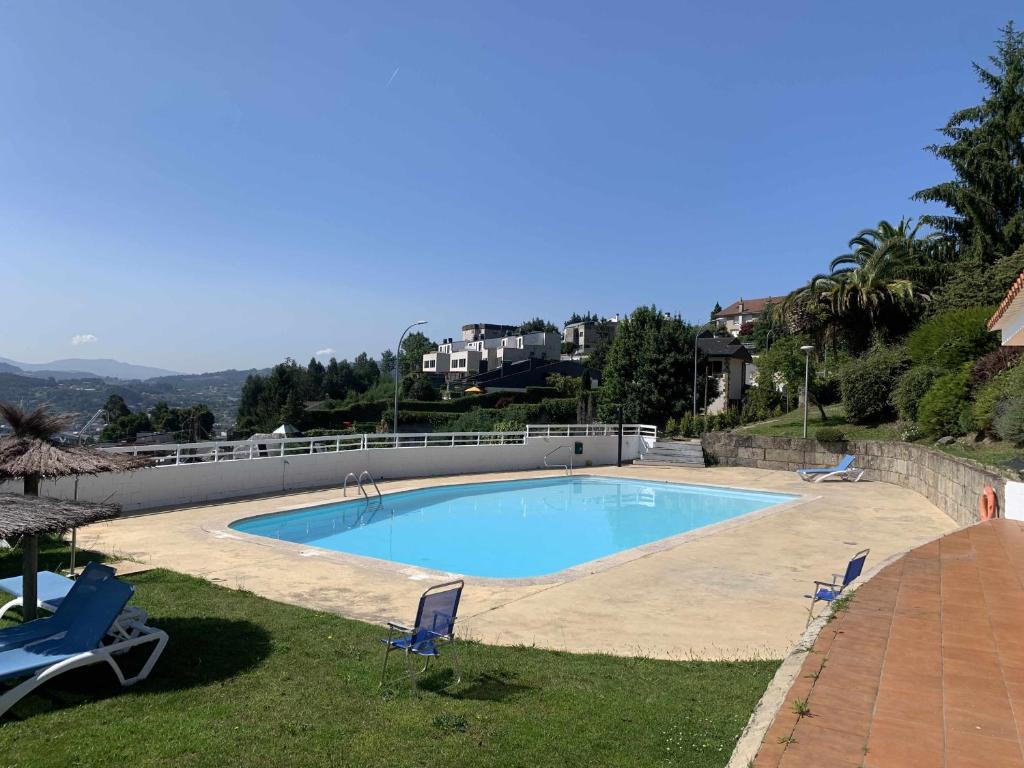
x=126 y=634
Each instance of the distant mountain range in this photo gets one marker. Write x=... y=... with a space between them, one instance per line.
x=80 y=387
x=83 y=368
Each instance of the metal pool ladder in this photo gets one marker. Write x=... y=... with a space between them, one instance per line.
x=566 y=467
x=359 y=483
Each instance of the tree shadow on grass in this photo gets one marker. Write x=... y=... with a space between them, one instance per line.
x=493 y=685
x=200 y=651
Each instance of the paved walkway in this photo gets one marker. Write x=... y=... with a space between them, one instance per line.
x=728 y=591
x=925 y=668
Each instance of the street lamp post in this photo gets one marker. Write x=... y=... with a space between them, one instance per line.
x=398 y=372
x=806 y=349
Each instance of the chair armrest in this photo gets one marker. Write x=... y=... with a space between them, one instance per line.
x=399 y=627
x=829 y=584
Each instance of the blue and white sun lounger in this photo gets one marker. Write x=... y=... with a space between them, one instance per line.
x=52 y=589
x=843 y=470
x=86 y=629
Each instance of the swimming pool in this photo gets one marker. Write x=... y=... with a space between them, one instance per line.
x=512 y=529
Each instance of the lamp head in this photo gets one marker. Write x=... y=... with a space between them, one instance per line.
x=807 y=348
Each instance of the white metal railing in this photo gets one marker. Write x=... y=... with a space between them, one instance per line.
x=263 y=448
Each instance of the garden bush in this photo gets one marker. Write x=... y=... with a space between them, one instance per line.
x=1009 y=420
x=952 y=338
x=987 y=367
x=911 y=387
x=867 y=384
x=1003 y=386
x=829 y=435
x=941 y=410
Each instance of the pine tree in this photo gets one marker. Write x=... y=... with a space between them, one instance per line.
x=986 y=197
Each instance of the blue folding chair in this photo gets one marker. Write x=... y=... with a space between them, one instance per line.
x=827 y=591
x=434 y=627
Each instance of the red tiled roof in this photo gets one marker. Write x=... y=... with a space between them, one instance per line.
x=749 y=305
x=1015 y=289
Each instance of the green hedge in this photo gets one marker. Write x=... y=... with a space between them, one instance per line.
x=944 y=408
x=327 y=418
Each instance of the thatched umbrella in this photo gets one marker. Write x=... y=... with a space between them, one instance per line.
x=38 y=515
x=32 y=454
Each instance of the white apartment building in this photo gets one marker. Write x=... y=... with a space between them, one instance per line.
x=458 y=359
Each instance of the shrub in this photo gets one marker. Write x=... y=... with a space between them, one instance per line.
x=911 y=387
x=420 y=388
x=987 y=367
x=867 y=383
x=671 y=427
x=941 y=410
x=829 y=435
x=952 y=338
x=1003 y=386
x=478 y=420
x=1009 y=420
x=686 y=425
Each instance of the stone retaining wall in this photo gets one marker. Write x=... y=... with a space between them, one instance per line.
x=951 y=484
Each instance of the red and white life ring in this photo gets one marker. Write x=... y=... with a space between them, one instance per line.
x=988 y=504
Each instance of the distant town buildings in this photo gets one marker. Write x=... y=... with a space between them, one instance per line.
x=481 y=349
x=488 y=347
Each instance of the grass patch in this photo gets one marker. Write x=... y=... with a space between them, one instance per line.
x=994 y=453
x=250 y=682
x=791 y=425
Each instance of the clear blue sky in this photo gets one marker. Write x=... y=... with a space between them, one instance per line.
x=208 y=185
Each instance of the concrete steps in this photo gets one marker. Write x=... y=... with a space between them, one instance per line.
x=673 y=453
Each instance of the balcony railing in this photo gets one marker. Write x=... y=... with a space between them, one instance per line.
x=262 y=448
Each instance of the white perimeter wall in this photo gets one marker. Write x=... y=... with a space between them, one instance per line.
x=209 y=481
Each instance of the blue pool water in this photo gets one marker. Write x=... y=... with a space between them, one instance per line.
x=513 y=529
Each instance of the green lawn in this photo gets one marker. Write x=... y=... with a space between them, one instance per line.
x=791 y=425
x=249 y=682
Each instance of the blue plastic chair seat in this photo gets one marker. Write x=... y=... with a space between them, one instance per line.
x=828 y=595
x=52 y=587
x=421 y=647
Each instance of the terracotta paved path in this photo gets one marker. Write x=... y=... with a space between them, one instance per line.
x=925 y=668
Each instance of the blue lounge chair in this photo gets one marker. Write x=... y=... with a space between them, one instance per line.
x=844 y=470
x=52 y=588
x=827 y=591
x=84 y=630
x=434 y=627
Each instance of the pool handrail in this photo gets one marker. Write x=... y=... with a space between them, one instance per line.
x=566 y=467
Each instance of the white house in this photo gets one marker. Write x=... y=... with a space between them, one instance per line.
x=733 y=317
x=1009 y=318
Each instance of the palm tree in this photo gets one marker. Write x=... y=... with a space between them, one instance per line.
x=889 y=268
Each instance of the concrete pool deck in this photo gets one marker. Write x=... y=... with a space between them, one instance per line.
x=729 y=591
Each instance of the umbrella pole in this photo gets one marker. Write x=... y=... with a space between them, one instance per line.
x=29 y=570
x=74 y=542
